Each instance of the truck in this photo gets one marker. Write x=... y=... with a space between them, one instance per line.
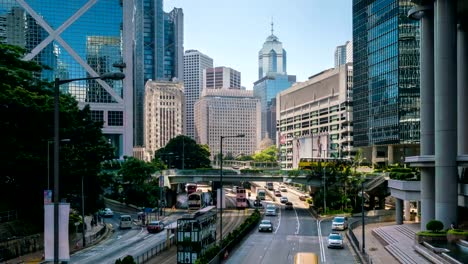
x=261 y=193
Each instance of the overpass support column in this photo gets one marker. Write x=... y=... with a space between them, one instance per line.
x=407 y=207
x=462 y=87
x=446 y=172
x=399 y=211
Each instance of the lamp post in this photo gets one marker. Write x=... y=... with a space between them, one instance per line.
x=48 y=159
x=57 y=83
x=324 y=192
x=221 y=186
x=362 y=214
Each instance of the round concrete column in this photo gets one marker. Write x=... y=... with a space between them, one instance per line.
x=446 y=112
x=426 y=62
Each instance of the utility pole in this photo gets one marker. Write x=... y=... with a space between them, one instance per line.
x=324 y=192
x=362 y=214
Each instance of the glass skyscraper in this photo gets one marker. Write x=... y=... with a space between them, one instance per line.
x=273 y=79
x=386 y=74
x=79 y=39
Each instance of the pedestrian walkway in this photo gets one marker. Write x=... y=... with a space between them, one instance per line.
x=390 y=243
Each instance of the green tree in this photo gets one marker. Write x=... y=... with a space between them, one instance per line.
x=269 y=154
x=26 y=122
x=183 y=149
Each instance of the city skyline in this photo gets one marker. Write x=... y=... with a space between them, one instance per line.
x=246 y=20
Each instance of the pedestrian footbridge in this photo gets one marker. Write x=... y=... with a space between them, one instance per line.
x=213 y=175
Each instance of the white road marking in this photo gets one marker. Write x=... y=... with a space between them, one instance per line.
x=322 y=247
x=279 y=220
x=298 y=223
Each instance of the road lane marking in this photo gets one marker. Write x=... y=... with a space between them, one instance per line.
x=322 y=247
x=279 y=220
x=298 y=223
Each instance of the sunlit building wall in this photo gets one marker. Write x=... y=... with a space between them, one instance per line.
x=228 y=112
x=164 y=113
x=221 y=77
x=194 y=64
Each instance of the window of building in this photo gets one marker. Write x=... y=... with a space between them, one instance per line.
x=115 y=118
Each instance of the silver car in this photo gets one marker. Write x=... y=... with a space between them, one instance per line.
x=335 y=240
x=339 y=223
x=265 y=225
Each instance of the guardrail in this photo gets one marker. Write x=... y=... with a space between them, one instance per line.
x=7 y=216
x=163 y=245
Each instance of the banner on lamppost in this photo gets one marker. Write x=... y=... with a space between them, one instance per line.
x=64 y=250
x=47 y=196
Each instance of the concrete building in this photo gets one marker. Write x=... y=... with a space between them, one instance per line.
x=386 y=80
x=315 y=117
x=221 y=77
x=344 y=54
x=228 y=112
x=194 y=64
x=444 y=113
x=76 y=48
x=273 y=79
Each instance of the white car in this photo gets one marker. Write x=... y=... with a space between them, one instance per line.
x=270 y=211
x=339 y=223
x=283 y=189
x=284 y=199
x=107 y=212
x=335 y=240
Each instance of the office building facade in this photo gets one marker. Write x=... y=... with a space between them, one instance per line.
x=344 y=54
x=315 y=117
x=174 y=45
x=194 y=64
x=221 y=77
x=386 y=80
x=228 y=112
x=77 y=40
x=164 y=113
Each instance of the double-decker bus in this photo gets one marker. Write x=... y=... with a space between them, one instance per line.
x=198 y=200
x=190 y=188
x=241 y=198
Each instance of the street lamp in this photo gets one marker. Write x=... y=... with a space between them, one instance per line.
x=57 y=83
x=362 y=215
x=221 y=187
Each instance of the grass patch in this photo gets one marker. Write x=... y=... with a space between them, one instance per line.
x=458 y=232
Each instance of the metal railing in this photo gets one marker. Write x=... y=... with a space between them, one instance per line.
x=7 y=216
x=156 y=250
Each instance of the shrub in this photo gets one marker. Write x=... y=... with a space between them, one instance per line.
x=127 y=260
x=435 y=226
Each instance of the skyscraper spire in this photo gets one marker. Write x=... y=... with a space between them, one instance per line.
x=272 y=25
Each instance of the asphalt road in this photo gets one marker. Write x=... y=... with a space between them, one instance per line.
x=294 y=231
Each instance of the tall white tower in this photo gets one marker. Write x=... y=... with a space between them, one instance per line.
x=194 y=64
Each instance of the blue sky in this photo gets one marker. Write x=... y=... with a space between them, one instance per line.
x=233 y=31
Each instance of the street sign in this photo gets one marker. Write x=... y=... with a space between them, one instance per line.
x=161 y=181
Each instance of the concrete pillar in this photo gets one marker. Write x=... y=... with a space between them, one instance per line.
x=427 y=205
x=462 y=87
x=399 y=211
x=446 y=112
x=390 y=154
x=407 y=207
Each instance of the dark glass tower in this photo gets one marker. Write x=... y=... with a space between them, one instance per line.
x=386 y=73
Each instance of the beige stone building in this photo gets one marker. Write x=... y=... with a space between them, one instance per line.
x=164 y=113
x=228 y=112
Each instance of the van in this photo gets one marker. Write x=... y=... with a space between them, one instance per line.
x=125 y=222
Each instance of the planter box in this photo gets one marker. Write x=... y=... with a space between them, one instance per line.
x=405 y=185
x=422 y=238
x=454 y=238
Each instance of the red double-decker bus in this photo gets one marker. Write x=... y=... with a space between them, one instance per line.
x=241 y=198
x=190 y=188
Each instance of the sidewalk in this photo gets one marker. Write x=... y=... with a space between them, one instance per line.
x=75 y=244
